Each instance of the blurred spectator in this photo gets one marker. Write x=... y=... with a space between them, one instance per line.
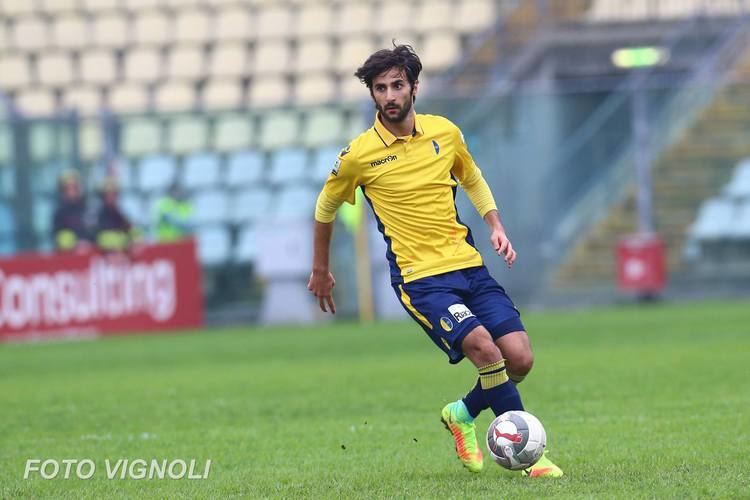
x=114 y=232
x=71 y=225
x=174 y=216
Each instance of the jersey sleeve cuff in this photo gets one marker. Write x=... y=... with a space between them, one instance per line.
x=325 y=208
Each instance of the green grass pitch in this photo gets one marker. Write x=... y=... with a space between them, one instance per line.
x=637 y=402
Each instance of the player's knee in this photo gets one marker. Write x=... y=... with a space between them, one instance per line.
x=521 y=364
x=481 y=350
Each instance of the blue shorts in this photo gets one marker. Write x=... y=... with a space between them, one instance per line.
x=450 y=305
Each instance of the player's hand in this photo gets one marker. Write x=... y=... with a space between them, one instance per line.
x=502 y=245
x=321 y=285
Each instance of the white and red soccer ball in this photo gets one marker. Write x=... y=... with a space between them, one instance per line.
x=516 y=440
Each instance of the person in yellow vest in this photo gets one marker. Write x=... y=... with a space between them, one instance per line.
x=114 y=231
x=71 y=228
x=174 y=216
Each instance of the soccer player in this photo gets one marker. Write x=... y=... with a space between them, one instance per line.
x=408 y=166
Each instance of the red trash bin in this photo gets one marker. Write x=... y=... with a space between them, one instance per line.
x=641 y=264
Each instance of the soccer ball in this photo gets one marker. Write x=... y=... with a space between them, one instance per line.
x=516 y=440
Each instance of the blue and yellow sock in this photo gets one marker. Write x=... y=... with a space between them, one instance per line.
x=498 y=391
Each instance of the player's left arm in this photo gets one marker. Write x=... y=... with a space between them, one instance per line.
x=470 y=177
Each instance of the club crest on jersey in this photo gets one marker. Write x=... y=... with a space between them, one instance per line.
x=436 y=146
x=446 y=323
x=460 y=312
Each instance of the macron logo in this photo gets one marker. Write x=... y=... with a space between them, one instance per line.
x=383 y=161
x=460 y=312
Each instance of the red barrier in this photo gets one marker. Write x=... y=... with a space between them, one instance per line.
x=156 y=288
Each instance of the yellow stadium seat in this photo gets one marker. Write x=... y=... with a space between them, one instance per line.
x=70 y=32
x=110 y=30
x=273 y=21
x=54 y=69
x=395 y=16
x=30 y=34
x=142 y=65
x=36 y=102
x=234 y=23
x=315 y=88
x=14 y=72
x=313 y=19
x=152 y=28
x=193 y=26
x=313 y=54
x=434 y=15
x=352 y=53
x=355 y=18
x=440 y=50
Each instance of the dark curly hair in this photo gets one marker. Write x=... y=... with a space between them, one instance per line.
x=402 y=57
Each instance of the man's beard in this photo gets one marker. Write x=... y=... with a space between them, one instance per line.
x=401 y=116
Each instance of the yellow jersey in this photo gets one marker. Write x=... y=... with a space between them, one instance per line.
x=410 y=183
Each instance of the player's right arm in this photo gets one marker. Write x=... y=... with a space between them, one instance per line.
x=339 y=188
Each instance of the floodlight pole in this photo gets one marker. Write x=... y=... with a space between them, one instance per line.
x=642 y=156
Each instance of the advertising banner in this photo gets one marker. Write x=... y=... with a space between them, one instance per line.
x=156 y=287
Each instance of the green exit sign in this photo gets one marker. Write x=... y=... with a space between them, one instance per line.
x=639 y=57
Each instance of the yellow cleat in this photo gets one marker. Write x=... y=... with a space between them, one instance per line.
x=465 y=437
x=543 y=468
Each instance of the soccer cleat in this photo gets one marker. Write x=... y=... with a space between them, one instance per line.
x=543 y=468
x=465 y=437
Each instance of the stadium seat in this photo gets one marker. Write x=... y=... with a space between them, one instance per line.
x=279 y=129
x=210 y=207
x=36 y=102
x=14 y=72
x=86 y=100
x=186 y=62
x=323 y=161
x=352 y=53
x=323 y=126
x=214 y=245
x=395 y=16
x=273 y=21
x=30 y=34
x=272 y=58
x=54 y=69
x=57 y=7
x=313 y=19
x=228 y=60
x=246 y=249
x=98 y=67
x=313 y=55
x=142 y=65
x=714 y=220
x=188 y=135
x=90 y=140
x=234 y=24
x=244 y=168
x=315 y=88
x=45 y=178
x=42 y=142
x=139 y=5
x=434 y=15
x=475 y=15
x=250 y=205
x=287 y=166
x=193 y=26
x=110 y=30
x=42 y=211
x=222 y=95
x=739 y=185
x=295 y=202
x=356 y=124
x=355 y=18
x=100 y=5
x=152 y=28
x=268 y=92
x=233 y=132
x=156 y=173
x=201 y=170
x=741 y=222
x=17 y=9
x=133 y=207
x=175 y=96
x=70 y=32
x=128 y=98
x=441 y=50
x=141 y=136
